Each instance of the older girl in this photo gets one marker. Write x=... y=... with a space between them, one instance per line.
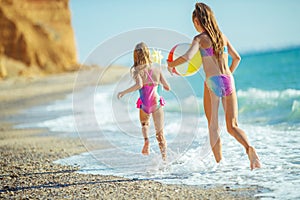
x=214 y=47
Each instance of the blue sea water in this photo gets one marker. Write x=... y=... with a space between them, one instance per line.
x=268 y=93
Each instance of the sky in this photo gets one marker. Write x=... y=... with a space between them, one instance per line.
x=250 y=25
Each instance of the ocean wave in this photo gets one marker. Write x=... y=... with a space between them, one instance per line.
x=271 y=106
x=255 y=105
x=295 y=111
x=254 y=93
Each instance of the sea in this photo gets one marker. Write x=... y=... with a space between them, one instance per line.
x=268 y=91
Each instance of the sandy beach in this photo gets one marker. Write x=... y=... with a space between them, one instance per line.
x=27 y=156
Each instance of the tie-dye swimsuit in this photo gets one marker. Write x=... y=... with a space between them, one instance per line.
x=150 y=99
x=222 y=85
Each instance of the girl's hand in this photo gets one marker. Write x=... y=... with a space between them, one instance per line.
x=170 y=69
x=169 y=63
x=167 y=88
x=120 y=95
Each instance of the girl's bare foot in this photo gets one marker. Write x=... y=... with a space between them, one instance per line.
x=146 y=148
x=164 y=154
x=253 y=157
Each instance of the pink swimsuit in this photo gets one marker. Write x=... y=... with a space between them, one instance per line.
x=150 y=99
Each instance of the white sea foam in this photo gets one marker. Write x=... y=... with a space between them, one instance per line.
x=254 y=93
x=195 y=167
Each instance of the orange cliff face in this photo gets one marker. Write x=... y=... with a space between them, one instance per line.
x=36 y=37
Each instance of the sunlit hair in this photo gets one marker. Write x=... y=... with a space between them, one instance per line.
x=141 y=58
x=208 y=21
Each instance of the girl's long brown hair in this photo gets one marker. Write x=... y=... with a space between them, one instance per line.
x=208 y=21
x=141 y=58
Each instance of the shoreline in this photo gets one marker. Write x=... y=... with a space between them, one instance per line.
x=28 y=171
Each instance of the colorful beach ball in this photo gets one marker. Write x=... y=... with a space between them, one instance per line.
x=188 y=68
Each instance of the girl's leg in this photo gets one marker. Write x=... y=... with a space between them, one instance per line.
x=231 y=115
x=207 y=104
x=145 y=119
x=158 y=118
x=214 y=131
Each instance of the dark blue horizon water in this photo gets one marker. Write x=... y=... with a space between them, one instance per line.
x=270 y=70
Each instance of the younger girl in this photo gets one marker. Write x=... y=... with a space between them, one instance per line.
x=219 y=84
x=148 y=80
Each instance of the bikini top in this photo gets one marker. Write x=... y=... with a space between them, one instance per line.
x=210 y=51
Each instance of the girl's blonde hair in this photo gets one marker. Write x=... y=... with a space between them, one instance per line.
x=141 y=58
x=208 y=21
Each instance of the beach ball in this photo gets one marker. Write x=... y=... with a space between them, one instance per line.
x=188 y=68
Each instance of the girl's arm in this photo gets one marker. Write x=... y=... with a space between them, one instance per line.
x=188 y=55
x=164 y=82
x=236 y=58
x=138 y=85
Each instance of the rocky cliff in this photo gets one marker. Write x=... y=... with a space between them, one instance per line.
x=36 y=37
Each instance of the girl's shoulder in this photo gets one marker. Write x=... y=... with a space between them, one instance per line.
x=204 y=40
x=202 y=35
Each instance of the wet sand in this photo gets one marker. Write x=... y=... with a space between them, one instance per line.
x=27 y=155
